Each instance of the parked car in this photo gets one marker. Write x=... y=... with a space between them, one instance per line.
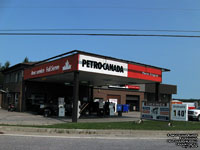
x=194 y=114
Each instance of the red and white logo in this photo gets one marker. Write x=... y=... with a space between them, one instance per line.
x=67 y=66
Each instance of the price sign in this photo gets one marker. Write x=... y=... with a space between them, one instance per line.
x=179 y=112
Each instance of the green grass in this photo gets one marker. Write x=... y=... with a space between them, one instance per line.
x=146 y=125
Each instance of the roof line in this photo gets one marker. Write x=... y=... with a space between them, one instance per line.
x=70 y=52
x=92 y=54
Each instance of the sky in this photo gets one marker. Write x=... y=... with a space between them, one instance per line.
x=180 y=55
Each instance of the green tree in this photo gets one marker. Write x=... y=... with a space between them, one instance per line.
x=26 y=60
x=1 y=78
x=7 y=65
x=1 y=74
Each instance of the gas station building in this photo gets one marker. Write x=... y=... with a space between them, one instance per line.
x=85 y=77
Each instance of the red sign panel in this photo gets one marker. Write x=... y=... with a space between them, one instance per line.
x=70 y=63
x=144 y=73
x=134 y=87
x=66 y=64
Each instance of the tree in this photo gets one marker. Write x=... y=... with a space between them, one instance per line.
x=1 y=78
x=6 y=65
x=1 y=75
x=26 y=60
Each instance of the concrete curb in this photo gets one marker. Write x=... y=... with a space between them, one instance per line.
x=90 y=132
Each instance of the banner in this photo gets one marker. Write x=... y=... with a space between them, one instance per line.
x=155 y=111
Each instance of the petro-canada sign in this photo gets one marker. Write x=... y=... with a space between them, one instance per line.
x=117 y=68
x=93 y=64
x=67 y=66
x=103 y=66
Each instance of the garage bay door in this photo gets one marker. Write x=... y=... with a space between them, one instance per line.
x=133 y=101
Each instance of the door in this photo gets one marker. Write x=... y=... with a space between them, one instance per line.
x=116 y=99
x=133 y=101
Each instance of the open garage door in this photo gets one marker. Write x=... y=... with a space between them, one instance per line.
x=133 y=101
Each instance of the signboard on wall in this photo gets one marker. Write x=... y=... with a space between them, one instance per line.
x=102 y=66
x=179 y=112
x=93 y=64
x=62 y=65
x=144 y=73
x=155 y=111
x=117 y=68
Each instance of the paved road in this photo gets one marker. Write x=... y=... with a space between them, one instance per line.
x=32 y=119
x=18 y=142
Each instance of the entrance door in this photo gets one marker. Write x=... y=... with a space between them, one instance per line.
x=133 y=101
x=116 y=99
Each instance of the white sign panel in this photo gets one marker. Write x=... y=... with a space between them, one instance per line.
x=103 y=66
x=179 y=112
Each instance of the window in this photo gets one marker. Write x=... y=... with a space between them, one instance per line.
x=6 y=78
x=16 y=98
x=12 y=77
x=20 y=76
x=17 y=77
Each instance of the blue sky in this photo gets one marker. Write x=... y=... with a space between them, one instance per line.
x=181 y=55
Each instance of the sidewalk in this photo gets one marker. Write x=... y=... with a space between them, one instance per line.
x=90 y=132
x=18 y=118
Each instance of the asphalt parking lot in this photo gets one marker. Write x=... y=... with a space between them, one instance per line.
x=27 y=118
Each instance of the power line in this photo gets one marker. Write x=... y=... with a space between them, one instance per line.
x=117 y=30
x=96 y=34
x=105 y=7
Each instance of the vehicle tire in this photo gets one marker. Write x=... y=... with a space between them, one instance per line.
x=198 y=118
x=47 y=112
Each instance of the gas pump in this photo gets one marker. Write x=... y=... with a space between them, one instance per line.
x=79 y=110
x=61 y=104
x=111 y=108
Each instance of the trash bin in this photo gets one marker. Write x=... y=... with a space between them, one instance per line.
x=119 y=109
x=125 y=107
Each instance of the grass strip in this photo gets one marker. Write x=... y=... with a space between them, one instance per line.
x=146 y=125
